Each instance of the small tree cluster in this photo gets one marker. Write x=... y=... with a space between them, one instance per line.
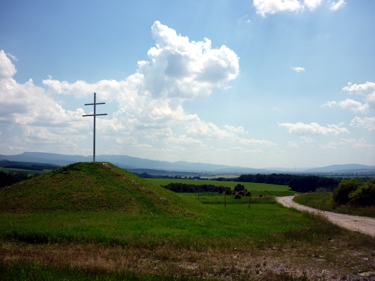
x=355 y=192
x=11 y=178
x=194 y=188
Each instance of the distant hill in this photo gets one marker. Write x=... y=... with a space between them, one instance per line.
x=27 y=165
x=346 y=168
x=141 y=165
x=130 y=163
x=90 y=187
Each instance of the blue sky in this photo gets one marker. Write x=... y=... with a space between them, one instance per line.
x=256 y=83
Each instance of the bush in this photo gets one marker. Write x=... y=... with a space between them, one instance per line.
x=364 y=195
x=239 y=187
x=355 y=192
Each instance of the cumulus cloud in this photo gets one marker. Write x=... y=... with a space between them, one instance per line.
x=238 y=130
x=178 y=69
x=7 y=69
x=350 y=104
x=264 y=7
x=185 y=69
x=367 y=123
x=312 y=4
x=299 y=69
x=150 y=117
x=314 y=129
x=366 y=91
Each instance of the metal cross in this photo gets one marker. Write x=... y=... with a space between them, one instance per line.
x=94 y=115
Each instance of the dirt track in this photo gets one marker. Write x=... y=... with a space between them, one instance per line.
x=361 y=224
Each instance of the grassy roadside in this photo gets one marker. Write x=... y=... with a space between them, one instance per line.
x=323 y=201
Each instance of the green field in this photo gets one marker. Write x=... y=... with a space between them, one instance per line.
x=256 y=189
x=95 y=221
x=29 y=172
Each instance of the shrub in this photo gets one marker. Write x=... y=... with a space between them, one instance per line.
x=341 y=193
x=364 y=195
x=239 y=187
x=355 y=192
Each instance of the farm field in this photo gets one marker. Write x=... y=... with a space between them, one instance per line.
x=27 y=171
x=92 y=221
x=25 y=167
x=256 y=189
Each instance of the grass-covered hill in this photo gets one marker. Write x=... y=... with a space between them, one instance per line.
x=89 y=187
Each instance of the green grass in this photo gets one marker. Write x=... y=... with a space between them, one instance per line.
x=256 y=189
x=29 y=172
x=204 y=230
x=101 y=203
x=101 y=217
x=323 y=201
x=89 y=187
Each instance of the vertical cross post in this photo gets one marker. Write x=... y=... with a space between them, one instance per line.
x=94 y=115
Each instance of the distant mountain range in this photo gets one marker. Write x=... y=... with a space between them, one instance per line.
x=140 y=165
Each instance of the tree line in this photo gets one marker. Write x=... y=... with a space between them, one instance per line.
x=295 y=182
x=11 y=178
x=194 y=188
x=27 y=165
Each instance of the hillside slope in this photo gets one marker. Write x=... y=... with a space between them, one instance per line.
x=90 y=187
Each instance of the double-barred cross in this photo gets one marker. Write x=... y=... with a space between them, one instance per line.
x=94 y=115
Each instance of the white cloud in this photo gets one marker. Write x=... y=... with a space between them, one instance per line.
x=150 y=117
x=7 y=69
x=238 y=130
x=365 y=88
x=12 y=57
x=350 y=104
x=299 y=69
x=244 y=20
x=178 y=69
x=333 y=145
x=182 y=69
x=337 y=5
x=367 y=123
x=312 y=4
x=313 y=129
x=366 y=91
x=293 y=144
x=255 y=142
x=360 y=143
x=264 y=7
x=306 y=139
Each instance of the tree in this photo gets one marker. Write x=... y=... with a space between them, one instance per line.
x=239 y=187
x=355 y=192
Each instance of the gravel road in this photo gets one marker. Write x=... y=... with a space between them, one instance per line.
x=355 y=223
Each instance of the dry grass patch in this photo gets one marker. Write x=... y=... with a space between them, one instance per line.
x=340 y=259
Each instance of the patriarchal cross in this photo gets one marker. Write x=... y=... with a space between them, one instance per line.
x=94 y=115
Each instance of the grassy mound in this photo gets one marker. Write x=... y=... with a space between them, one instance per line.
x=89 y=187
